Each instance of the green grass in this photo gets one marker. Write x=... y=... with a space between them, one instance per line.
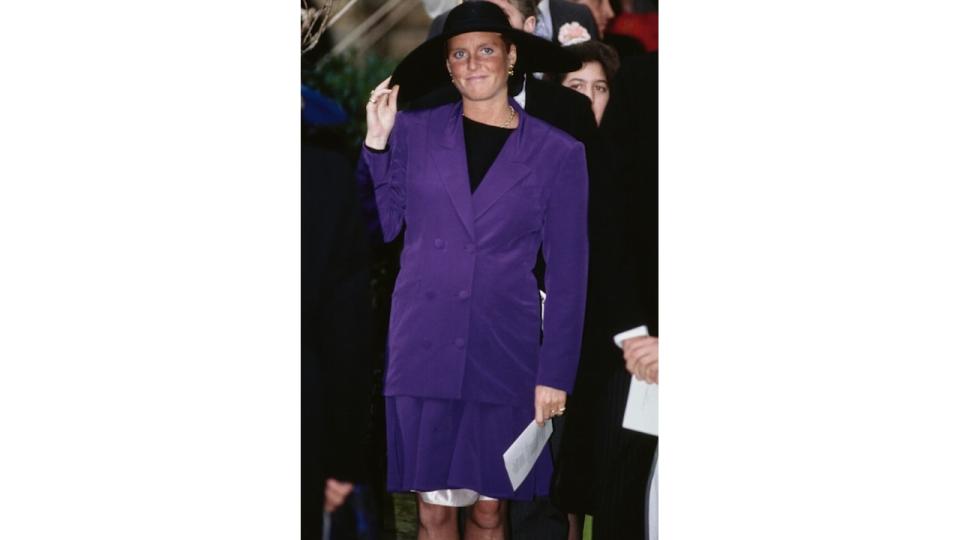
x=405 y=515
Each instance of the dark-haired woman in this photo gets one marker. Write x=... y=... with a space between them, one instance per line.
x=599 y=64
x=603 y=468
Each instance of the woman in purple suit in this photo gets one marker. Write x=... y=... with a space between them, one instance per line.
x=479 y=187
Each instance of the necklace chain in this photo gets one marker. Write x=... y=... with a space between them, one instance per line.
x=510 y=119
x=506 y=123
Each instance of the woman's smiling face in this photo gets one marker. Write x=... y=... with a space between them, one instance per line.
x=478 y=63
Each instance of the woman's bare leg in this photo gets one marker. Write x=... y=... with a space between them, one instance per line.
x=488 y=520
x=576 y=527
x=436 y=522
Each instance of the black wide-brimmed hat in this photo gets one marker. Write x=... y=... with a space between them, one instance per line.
x=423 y=69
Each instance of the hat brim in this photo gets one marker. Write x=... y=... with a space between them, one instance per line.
x=423 y=69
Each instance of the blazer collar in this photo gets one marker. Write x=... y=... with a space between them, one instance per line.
x=507 y=170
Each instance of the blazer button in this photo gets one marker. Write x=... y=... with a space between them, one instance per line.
x=470 y=248
x=431 y=295
x=463 y=295
x=438 y=243
x=459 y=342
x=426 y=344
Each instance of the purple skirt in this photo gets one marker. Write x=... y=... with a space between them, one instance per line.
x=437 y=444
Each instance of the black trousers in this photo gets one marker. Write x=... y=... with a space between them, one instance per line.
x=622 y=512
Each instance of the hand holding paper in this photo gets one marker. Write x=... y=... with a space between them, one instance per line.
x=641 y=413
x=642 y=357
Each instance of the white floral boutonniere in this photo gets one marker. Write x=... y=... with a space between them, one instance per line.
x=572 y=33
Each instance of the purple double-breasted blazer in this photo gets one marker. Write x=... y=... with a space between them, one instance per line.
x=466 y=320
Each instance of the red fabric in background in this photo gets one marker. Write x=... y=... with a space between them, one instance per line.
x=640 y=26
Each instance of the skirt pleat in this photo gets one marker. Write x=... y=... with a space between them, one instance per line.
x=435 y=444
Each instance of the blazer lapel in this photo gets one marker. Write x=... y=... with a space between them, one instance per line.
x=450 y=159
x=507 y=170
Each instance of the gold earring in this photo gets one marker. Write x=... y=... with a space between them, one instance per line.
x=510 y=71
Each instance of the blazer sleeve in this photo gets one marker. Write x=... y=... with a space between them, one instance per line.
x=386 y=172
x=565 y=253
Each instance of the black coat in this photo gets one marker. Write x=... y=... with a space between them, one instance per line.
x=603 y=468
x=561 y=12
x=336 y=365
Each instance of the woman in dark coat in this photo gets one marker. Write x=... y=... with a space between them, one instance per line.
x=603 y=468
x=479 y=187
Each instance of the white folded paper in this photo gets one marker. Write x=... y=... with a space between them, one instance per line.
x=642 y=402
x=630 y=334
x=642 y=408
x=523 y=453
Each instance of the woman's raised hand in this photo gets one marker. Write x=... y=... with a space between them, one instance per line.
x=381 y=114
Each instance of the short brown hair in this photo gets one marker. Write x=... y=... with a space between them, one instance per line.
x=593 y=51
